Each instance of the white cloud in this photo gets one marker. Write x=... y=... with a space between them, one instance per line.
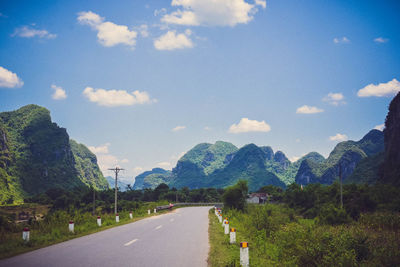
x=207 y=128
x=108 y=33
x=212 y=12
x=114 y=98
x=338 y=137
x=9 y=79
x=29 y=32
x=380 y=127
x=172 y=41
x=308 y=110
x=178 y=128
x=294 y=159
x=164 y=165
x=380 y=90
x=245 y=125
x=104 y=159
x=342 y=40
x=107 y=161
x=137 y=169
x=102 y=149
x=261 y=3
x=334 y=99
x=144 y=30
x=59 y=93
x=161 y=11
x=381 y=40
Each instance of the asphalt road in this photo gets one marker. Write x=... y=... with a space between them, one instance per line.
x=178 y=238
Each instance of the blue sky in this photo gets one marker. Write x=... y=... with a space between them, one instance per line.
x=142 y=82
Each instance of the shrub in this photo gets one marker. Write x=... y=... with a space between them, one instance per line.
x=235 y=196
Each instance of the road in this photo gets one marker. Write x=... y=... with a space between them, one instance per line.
x=178 y=238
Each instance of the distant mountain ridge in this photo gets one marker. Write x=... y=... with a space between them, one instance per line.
x=122 y=186
x=223 y=164
x=344 y=157
x=36 y=155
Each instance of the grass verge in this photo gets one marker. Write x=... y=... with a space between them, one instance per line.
x=221 y=252
x=55 y=231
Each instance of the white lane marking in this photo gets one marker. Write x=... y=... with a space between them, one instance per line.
x=171 y=220
x=158 y=227
x=130 y=242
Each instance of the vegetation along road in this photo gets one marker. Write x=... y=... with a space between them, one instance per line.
x=178 y=238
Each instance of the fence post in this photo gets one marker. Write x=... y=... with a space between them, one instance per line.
x=244 y=254
x=148 y=211
x=117 y=217
x=71 y=226
x=130 y=215
x=25 y=234
x=232 y=236
x=98 y=220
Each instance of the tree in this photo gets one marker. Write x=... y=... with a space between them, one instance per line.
x=235 y=196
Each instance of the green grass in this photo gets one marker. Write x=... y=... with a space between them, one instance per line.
x=54 y=229
x=278 y=237
x=221 y=252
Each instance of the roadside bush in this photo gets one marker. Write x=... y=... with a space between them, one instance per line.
x=329 y=214
x=235 y=196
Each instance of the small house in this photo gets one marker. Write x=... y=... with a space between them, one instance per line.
x=257 y=198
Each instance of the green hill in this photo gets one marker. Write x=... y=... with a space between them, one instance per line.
x=248 y=163
x=345 y=157
x=36 y=155
x=143 y=181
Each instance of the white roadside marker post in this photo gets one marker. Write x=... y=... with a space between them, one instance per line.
x=244 y=254
x=98 y=220
x=25 y=234
x=155 y=210
x=117 y=218
x=71 y=226
x=223 y=223
x=130 y=215
x=148 y=212
x=232 y=236
x=220 y=218
x=226 y=227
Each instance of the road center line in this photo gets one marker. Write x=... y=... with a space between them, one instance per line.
x=130 y=242
x=158 y=227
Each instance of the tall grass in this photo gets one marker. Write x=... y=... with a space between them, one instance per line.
x=278 y=237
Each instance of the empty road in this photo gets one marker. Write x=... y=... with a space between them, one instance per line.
x=178 y=238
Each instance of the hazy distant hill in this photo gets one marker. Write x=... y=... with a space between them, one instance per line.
x=150 y=179
x=345 y=156
x=122 y=186
x=36 y=155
